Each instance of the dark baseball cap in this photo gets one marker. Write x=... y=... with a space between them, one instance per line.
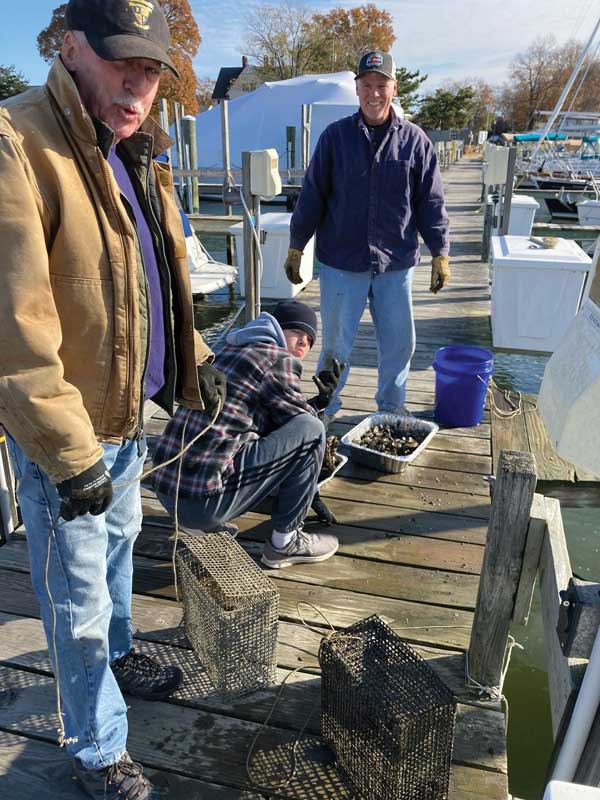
x=377 y=61
x=119 y=29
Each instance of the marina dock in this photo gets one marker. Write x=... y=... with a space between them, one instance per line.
x=411 y=550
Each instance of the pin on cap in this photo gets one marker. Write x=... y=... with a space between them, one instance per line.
x=118 y=29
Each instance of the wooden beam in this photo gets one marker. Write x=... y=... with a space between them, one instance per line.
x=531 y=559
x=507 y=532
x=564 y=674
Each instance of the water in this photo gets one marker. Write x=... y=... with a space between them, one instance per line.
x=526 y=687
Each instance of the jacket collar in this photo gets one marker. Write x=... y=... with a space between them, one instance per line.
x=395 y=121
x=63 y=89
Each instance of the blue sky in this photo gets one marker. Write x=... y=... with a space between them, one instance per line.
x=448 y=39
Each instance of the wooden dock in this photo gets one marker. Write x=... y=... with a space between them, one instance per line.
x=411 y=550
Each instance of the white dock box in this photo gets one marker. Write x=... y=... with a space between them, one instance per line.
x=522 y=214
x=536 y=291
x=275 y=230
x=558 y=790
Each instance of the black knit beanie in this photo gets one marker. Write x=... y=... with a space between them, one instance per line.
x=294 y=314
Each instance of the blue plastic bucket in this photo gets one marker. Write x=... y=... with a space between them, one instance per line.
x=462 y=375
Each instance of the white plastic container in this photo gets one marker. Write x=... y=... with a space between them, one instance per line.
x=568 y=401
x=522 y=214
x=275 y=230
x=536 y=291
x=558 y=790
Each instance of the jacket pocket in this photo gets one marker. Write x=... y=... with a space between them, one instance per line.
x=85 y=307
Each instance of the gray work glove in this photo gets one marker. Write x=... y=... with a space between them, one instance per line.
x=89 y=492
x=213 y=387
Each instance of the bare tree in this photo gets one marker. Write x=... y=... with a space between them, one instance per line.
x=537 y=77
x=282 y=40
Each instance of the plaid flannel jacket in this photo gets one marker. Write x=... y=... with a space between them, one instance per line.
x=263 y=393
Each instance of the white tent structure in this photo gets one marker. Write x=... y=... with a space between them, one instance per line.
x=259 y=119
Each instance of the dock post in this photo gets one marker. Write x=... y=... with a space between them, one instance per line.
x=227 y=181
x=507 y=533
x=177 y=114
x=250 y=282
x=188 y=125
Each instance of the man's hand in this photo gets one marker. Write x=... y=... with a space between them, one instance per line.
x=440 y=273
x=292 y=265
x=89 y=492
x=327 y=382
x=213 y=387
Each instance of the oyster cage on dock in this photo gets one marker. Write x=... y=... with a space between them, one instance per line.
x=421 y=429
x=230 y=612
x=385 y=714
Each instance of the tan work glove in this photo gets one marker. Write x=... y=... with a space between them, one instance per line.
x=440 y=273
x=292 y=265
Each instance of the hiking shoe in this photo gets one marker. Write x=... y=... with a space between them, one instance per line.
x=305 y=548
x=142 y=676
x=121 y=781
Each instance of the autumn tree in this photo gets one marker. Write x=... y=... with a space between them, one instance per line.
x=347 y=33
x=11 y=82
x=288 y=40
x=408 y=83
x=185 y=41
x=446 y=109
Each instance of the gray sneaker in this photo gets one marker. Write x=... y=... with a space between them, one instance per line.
x=305 y=548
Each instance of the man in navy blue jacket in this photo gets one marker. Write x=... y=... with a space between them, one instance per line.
x=373 y=184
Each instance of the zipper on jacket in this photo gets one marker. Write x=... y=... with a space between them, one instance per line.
x=129 y=293
x=165 y=260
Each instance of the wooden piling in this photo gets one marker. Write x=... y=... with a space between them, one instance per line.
x=507 y=532
x=251 y=289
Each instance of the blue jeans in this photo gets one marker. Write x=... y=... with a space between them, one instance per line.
x=344 y=296
x=90 y=576
x=286 y=461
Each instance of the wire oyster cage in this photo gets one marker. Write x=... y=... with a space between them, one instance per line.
x=230 y=612
x=385 y=714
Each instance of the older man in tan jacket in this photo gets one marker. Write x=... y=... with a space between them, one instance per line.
x=96 y=312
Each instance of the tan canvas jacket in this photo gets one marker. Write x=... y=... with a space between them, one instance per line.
x=70 y=363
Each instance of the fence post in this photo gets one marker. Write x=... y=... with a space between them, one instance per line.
x=507 y=532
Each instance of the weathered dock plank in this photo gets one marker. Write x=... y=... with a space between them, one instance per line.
x=411 y=548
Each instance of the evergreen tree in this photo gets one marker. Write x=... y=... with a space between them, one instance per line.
x=11 y=82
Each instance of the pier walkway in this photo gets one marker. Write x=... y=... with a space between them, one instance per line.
x=411 y=550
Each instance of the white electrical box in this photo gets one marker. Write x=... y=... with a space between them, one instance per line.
x=275 y=237
x=558 y=790
x=536 y=291
x=264 y=173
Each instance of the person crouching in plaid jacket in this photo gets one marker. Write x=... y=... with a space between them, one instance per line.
x=268 y=439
